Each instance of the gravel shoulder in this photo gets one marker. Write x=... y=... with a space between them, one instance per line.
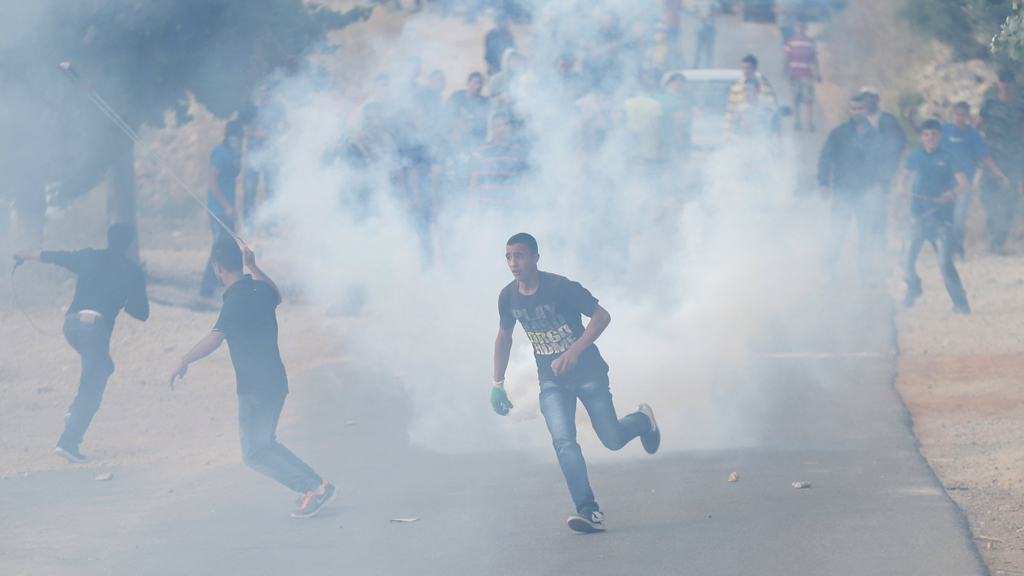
x=960 y=378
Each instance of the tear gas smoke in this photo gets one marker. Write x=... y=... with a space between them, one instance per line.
x=691 y=263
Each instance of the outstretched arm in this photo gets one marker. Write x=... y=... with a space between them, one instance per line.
x=988 y=161
x=250 y=262
x=502 y=351
x=204 y=348
x=599 y=320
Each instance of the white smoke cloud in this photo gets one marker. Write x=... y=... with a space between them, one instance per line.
x=689 y=278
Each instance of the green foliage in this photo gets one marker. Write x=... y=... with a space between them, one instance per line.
x=144 y=57
x=965 y=25
x=1010 y=39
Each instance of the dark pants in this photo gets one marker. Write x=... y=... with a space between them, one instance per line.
x=939 y=234
x=92 y=342
x=705 y=51
x=257 y=427
x=209 y=276
x=558 y=404
x=868 y=207
x=1000 y=205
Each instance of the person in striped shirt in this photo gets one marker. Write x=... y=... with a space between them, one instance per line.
x=499 y=165
x=801 y=53
x=738 y=100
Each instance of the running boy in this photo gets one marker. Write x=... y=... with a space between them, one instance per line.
x=939 y=177
x=569 y=367
x=248 y=321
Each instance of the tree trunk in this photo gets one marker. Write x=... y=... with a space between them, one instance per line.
x=122 y=186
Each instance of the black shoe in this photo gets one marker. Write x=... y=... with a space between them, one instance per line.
x=587 y=522
x=71 y=453
x=312 y=503
x=962 y=308
x=912 y=295
x=652 y=439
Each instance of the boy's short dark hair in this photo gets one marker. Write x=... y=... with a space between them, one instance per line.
x=1007 y=75
x=234 y=128
x=858 y=98
x=120 y=237
x=750 y=59
x=524 y=239
x=931 y=124
x=963 y=106
x=474 y=75
x=227 y=253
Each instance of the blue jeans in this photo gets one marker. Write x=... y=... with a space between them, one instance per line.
x=938 y=233
x=92 y=342
x=257 y=427
x=558 y=404
x=209 y=276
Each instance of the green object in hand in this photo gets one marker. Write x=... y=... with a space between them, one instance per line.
x=500 y=401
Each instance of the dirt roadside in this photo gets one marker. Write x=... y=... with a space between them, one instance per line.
x=960 y=378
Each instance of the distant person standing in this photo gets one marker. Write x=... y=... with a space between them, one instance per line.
x=108 y=281
x=499 y=166
x=677 y=116
x=705 y=12
x=496 y=42
x=893 y=137
x=225 y=164
x=248 y=321
x=570 y=369
x=644 y=116
x=1002 y=121
x=468 y=110
x=847 y=172
x=938 y=179
x=801 y=53
x=738 y=99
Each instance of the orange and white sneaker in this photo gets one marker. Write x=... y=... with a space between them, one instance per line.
x=311 y=503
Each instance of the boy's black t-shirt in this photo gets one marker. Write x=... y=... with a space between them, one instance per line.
x=249 y=322
x=552 y=319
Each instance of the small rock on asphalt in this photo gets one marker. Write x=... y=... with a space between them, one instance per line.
x=107 y=476
x=734 y=477
x=800 y=485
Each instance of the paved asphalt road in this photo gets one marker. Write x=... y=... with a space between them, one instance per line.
x=874 y=507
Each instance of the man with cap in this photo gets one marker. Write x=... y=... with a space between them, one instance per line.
x=108 y=281
x=893 y=138
x=1002 y=121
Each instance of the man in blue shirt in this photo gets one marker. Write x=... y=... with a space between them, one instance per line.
x=225 y=164
x=939 y=178
x=968 y=145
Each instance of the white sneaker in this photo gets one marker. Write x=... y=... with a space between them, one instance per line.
x=651 y=440
x=581 y=523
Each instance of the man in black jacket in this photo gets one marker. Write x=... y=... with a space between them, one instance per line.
x=107 y=282
x=848 y=171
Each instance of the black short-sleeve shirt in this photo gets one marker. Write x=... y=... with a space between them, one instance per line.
x=249 y=322
x=552 y=318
